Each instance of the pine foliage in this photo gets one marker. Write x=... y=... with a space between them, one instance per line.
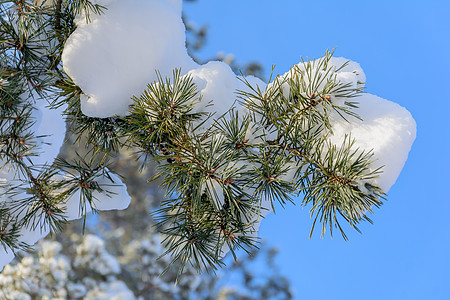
x=217 y=179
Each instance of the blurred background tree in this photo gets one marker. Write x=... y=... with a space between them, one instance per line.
x=114 y=255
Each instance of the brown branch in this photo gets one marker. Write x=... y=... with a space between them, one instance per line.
x=58 y=14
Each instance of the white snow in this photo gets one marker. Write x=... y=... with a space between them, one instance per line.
x=51 y=127
x=387 y=128
x=350 y=73
x=115 y=55
x=92 y=253
x=115 y=197
x=76 y=209
x=216 y=84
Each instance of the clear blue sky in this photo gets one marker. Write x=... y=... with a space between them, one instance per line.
x=404 y=49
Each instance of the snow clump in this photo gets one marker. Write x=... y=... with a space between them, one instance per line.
x=116 y=54
x=49 y=274
x=384 y=126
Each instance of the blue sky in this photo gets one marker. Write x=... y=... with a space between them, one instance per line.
x=404 y=49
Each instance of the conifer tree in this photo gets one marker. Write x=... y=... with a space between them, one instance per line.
x=222 y=165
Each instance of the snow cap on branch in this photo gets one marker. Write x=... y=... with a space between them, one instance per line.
x=115 y=55
x=383 y=126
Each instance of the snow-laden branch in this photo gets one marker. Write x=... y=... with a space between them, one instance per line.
x=229 y=145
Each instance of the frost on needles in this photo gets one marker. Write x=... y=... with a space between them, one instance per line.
x=228 y=147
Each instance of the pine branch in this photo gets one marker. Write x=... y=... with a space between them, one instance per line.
x=219 y=179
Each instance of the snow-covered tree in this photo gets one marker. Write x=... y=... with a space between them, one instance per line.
x=227 y=146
